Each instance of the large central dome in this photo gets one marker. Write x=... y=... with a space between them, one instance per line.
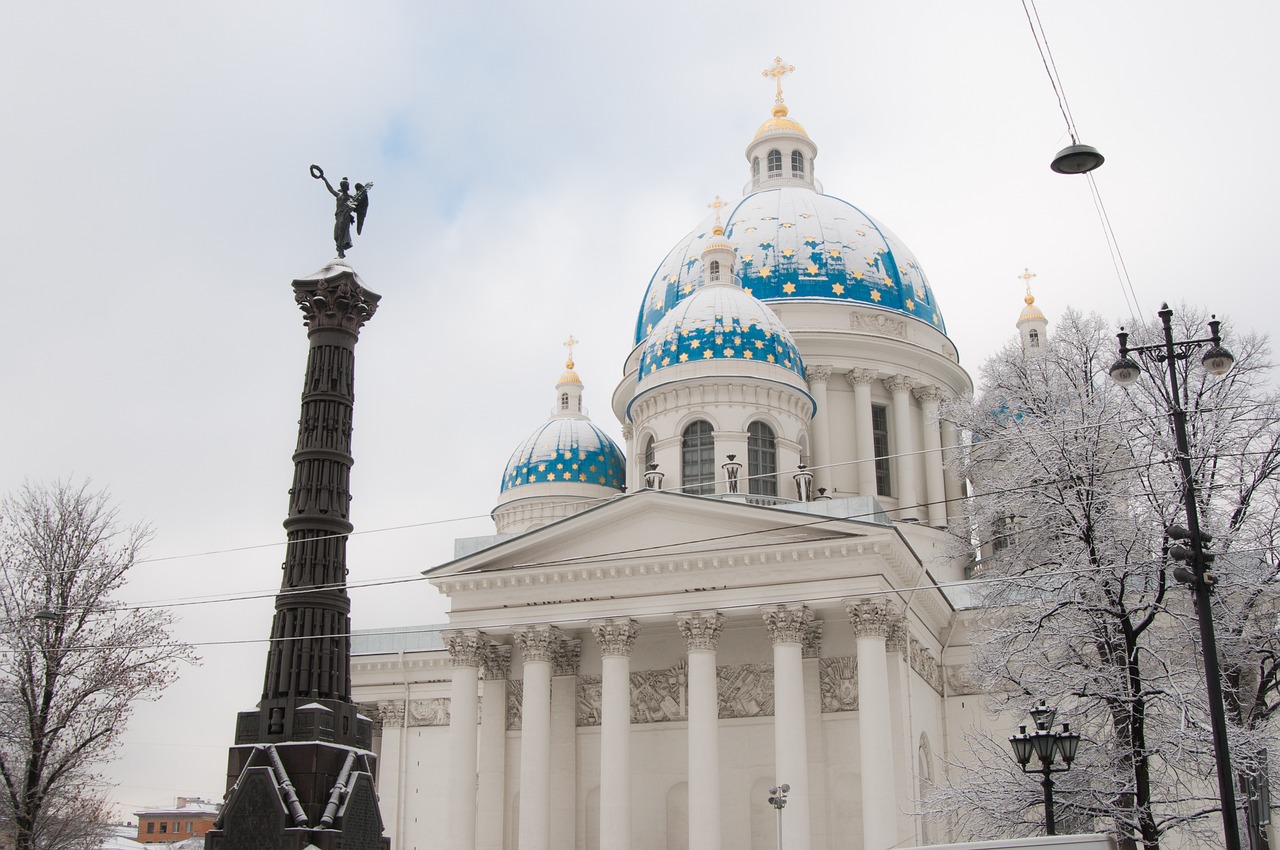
x=794 y=243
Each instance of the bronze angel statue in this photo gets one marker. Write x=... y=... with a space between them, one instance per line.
x=350 y=208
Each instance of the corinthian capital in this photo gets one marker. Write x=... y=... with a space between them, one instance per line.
x=811 y=646
x=871 y=616
x=567 y=655
x=538 y=643
x=897 y=384
x=928 y=394
x=497 y=662
x=617 y=636
x=467 y=647
x=701 y=629
x=787 y=623
x=334 y=297
x=817 y=373
x=860 y=376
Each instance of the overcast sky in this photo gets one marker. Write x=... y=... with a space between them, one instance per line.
x=533 y=164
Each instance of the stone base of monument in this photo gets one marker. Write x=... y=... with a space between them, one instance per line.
x=292 y=795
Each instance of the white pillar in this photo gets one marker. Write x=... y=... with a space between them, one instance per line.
x=491 y=790
x=564 y=744
x=821 y=459
x=467 y=650
x=864 y=442
x=701 y=632
x=811 y=653
x=935 y=490
x=537 y=647
x=951 y=481
x=899 y=386
x=616 y=637
x=787 y=625
x=871 y=621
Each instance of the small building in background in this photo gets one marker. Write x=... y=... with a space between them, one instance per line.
x=189 y=817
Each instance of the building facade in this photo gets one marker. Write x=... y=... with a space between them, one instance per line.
x=633 y=668
x=189 y=817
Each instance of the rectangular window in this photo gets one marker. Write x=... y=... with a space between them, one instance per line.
x=164 y=826
x=151 y=827
x=190 y=827
x=880 y=446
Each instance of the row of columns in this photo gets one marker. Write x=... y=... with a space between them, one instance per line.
x=795 y=633
x=939 y=438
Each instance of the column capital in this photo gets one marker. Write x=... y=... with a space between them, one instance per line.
x=811 y=641
x=537 y=643
x=929 y=393
x=497 y=661
x=896 y=639
x=857 y=377
x=870 y=617
x=616 y=636
x=787 y=623
x=817 y=373
x=628 y=430
x=335 y=298
x=701 y=629
x=568 y=653
x=467 y=647
x=897 y=384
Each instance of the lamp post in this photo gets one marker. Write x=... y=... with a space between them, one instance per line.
x=1046 y=745
x=1217 y=361
x=778 y=799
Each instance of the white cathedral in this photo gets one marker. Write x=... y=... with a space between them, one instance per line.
x=750 y=596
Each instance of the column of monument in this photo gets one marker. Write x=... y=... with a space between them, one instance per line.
x=317 y=790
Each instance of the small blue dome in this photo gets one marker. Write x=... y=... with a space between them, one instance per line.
x=566 y=450
x=720 y=322
x=793 y=243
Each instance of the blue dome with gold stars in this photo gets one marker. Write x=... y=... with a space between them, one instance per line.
x=566 y=450
x=721 y=322
x=793 y=243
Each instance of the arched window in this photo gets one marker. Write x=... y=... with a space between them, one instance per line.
x=650 y=456
x=762 y=460
x=698 y=459
x=797 y=164
x=775 y=163
x=713 y=270
x=1033 y=336
x=564 y=401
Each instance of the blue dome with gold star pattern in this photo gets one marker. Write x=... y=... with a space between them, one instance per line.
x=566 y=450
x=720 y=322
x=796 y=244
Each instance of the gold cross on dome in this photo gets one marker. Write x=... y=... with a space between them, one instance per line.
x=717 y=205
x=777 y=71
x=1026 y=276
x=569 y=344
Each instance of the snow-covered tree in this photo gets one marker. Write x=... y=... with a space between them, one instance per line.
x=72 y=661
x=1075 y=481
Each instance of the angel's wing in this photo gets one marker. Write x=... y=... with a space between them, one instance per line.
x=362 y=205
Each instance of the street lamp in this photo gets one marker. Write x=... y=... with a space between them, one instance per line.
x=1217 y=361
x=778 y=799
x=1046 y=745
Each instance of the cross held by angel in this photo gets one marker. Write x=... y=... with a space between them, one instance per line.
x=351 y=208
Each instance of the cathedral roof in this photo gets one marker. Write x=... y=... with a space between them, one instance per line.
x=566 y=450
x=796 y=244
x=720 y=322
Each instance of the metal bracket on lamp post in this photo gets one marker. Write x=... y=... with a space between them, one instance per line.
x=1217 y=361
x=778 y=799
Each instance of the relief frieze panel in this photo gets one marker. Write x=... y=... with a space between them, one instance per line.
x=838 y=683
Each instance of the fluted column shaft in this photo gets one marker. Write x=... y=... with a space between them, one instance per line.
x=864 y=441
x=701 y=632
x=872 y=621
x=821 y=432
x=537 y=648
x=787 y=626
x=467 y=649
x=616 y=637
x=899 y=386
x=935 y=490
